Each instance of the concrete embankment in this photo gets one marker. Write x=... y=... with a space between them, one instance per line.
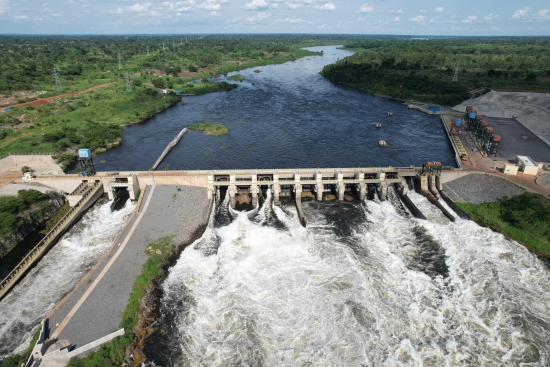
x=76 y=212
x=95 y=307
x=168 y=148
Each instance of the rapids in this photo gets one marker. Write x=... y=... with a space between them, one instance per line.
x=24 y=307
x=365 y=284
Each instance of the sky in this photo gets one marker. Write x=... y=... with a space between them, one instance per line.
x=427 y=17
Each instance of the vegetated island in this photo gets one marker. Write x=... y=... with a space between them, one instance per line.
x=93 y=102
x=423 y=70
x=209 y=128
x=236 y=77
x=524 y=218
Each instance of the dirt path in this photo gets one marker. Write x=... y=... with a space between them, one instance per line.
x=43 y=101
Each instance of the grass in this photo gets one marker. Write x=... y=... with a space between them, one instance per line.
x=257 y=71
x=525 y=218
x=210 y=129
x=16 y=360
x=236 y=77
x=112 y=354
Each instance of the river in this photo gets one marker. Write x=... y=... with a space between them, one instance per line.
x=286 y=116
x=365 y=284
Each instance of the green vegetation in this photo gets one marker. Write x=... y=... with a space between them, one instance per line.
x=95 y=118
x=525 y=218
x=14 y=209
x=112 y=353
x=210 y=129
x=423 y=69
x=257 y=71
x=55 y=218
x=16 y=360
x=236 y=77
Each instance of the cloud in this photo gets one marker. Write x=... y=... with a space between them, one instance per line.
x=438 y=9
x=545 y=13
x=520 y=13
x=397 y=11
x=419 y=19
x=3 y=6
x=396 y=19
x=327 y=7
x=180 y=6
x=20 y=17
x=490 y=16
x=209 y=5
x=139 y=8
x=469 y=19
x=366 y=8
x=293 y=21
x=256 y=5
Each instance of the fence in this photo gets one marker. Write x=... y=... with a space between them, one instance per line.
x=38 y=251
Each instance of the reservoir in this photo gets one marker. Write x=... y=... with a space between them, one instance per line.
x=285 y=116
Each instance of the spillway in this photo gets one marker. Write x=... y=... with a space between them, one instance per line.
x=56 y=274
x=364 y=284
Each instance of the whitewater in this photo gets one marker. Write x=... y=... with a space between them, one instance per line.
x=365 y=284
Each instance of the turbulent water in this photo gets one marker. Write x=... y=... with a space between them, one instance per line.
x=56 y=274
x=365 y=284
x=286 y=116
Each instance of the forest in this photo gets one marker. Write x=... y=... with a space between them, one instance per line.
x=96 y=66
x=423 y=69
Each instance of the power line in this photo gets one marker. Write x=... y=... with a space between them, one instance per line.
x=58 y=86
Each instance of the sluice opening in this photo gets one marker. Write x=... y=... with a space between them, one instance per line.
x=120 y=196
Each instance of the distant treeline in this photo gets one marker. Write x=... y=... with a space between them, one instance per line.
x=423 y=69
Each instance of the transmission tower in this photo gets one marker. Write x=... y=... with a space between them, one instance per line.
x=58 y=86
x=119 y=62
x=128 y=86
x=147 y=50
x=162 y=46
x=455 y=77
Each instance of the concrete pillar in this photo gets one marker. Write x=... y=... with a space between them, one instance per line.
x=423 y=179
x=210 y=188
x=431 y=186
x=383 y=191
x=110 y=194
x=383 y=188
x=232 y=190
x=254 y=189
x=297 y=185
x=438 y=184
x=361 y=186
x=404 y=188
x=276 y=188
x=133 y=188
x=319 y=186
x=340 y=186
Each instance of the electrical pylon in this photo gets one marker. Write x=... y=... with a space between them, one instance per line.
x=128 y=85
x=58 y=86
x=119 y=62
x=455 y=77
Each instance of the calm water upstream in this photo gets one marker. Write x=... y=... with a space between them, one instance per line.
x=283 y=117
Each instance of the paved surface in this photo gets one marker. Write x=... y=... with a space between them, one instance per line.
x=532 y=109
x=479 y=188
x=518 y=140
x=41 y=164
x=165 y=211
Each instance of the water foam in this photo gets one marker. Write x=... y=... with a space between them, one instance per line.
x=57 y=273
x=327 y=296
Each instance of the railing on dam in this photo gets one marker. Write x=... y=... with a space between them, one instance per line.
x=44 y=245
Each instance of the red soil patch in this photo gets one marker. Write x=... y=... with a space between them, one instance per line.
x=43 y=101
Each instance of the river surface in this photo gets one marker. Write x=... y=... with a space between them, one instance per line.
x=286 y=116
x=55 y=275
x=365 y=284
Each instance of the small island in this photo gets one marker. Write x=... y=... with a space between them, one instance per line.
x=236 y=77
x=210 y=129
